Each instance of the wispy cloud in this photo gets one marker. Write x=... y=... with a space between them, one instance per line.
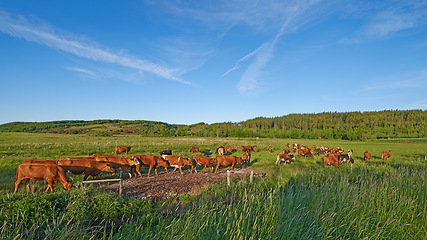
x=84 y=71
x=39 y=31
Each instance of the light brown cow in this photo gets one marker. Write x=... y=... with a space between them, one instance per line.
x=227 y=160
x=205 y=161
x=367 y=156
x=386 y=155
x=284 y=157
x=50 y=172
x=194 y=149
x=84 y=166
x=122 y=149
x=331 y=159
x=116 y=162
x=178 y=162
x=220 y=150
x=150 y=161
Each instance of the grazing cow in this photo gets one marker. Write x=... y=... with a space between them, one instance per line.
x=84 y=166
x=367 y=156
x=150 y=161
x=194 y=149
x=220 y=150
x=178 y=162
x=52 y=173
x=234 y=147
x=286 y=151
x=386 y=155
x=205 y=161
x=270 y=148
x=246 y=148
x=346 y=157
x=331 y=159
x=122 y=149
x=117 y=163
x=304 y=152
x=254 y=148
x=227 y=148
x=288 y=145
x=246 y=158
x=230 y=160
x=165 y=152
x=294 y=149
x=284 y=157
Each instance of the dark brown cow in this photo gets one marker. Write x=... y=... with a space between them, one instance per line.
x=50 y=172
x=386 y=155
x=367 y=156
x=331 y=159
x=150 y=161
x=177 y=162
x=83 y=166
x=246 y=158
x=205 y=161
x=116 y=162
x=227 y=160
x=122 y=149
x=194 y=149
x=270 y=148
x=284 y=157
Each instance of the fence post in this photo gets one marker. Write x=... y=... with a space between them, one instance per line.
x=251 y=179
x=121 y=184
x=228 y=178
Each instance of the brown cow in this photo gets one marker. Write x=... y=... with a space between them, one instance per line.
x=254 y=148
x=246 y=148
x=84 y=166
x=122 y=149
x=286 y=151
x=331 y=159
x=205 y=161
x=117 y=163
x=224 y=160
x=178 y=162
x=270 y=148
x=284 y=157
x=39 y=172
x=150 y=161
x=234 y=147
x=194 y=149
x=386 y=155
x=45 y=162
x=227 y=148
x=367 y=156
x=220 y=150
x=306 y=152
x=246 y=158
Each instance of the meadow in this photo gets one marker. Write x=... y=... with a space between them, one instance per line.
x=373 y=200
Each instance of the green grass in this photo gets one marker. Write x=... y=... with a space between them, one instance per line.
x=303 y=200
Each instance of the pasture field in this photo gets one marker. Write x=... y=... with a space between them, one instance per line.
x=373 y=200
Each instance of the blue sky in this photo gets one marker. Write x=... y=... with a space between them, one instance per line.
x=184 y=62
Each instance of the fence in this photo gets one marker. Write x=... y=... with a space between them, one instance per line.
x=108 y=180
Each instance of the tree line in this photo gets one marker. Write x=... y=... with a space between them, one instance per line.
x=327 y=125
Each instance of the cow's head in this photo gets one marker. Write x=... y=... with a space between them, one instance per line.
x=132 y=161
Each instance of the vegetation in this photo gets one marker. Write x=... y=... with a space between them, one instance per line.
x=373 y=200
x=332 y=125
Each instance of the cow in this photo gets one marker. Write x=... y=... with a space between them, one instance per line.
x=331 y=159
x=246 y=158
x=165 y=152
x=306 y=152
x=230 y=160
x=270 y=148
x=288 y=145
x=117 y=163
x=84 y=166
x=234 y=147
x=220 y=150
x=194 y=149
x=286 y=151
x=205 y=161
x=122 y=149
x=284 y=157
x=227 y=148
x=346 y=157
x=52 y=173
x=254 y=148
x=45 y=162
x=386 y=155
x=246 y=148
x=150 y=161
x=367 y=156
x=178 y=162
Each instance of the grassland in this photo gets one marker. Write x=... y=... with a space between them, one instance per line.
x=374 y=200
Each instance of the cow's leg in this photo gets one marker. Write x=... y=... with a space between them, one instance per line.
x=175 y=169
x=137 y=167
x=180 y=171
x=166 y=169
x=149 y=170
x=18 y=181
x=50 y=185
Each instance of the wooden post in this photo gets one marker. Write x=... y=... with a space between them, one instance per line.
x=251 y=179
x=425 y=157
x=228 y=178
x=351 y=168
x=121 y=184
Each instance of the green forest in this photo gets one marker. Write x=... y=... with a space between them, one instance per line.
x=327 y=125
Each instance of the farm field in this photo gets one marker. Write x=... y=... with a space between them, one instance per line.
x=373 y=200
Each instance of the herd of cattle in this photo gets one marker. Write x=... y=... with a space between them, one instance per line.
x=54 y=171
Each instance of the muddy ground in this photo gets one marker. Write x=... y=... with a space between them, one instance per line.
x=162 y=186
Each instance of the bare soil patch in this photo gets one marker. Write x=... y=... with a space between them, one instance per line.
x=167 y=184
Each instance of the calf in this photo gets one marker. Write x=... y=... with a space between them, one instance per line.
x=224 y=160
x=50 y=172
x=284 y=157
x=331 y=159
x=270 y=148
x=122 y=149
x=150 y=161
x=386 y=155
x=367 y=156
x=205 y=161
x=178 y=162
